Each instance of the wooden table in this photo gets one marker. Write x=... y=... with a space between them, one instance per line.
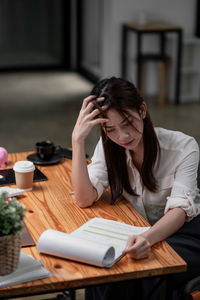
x=50 y=205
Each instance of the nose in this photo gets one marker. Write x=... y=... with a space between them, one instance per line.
x=122 y=135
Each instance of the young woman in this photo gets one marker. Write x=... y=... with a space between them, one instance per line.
x=153 y=168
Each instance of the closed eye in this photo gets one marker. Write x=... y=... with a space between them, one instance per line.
x=127 y=121
x=110 y=129
x=125 y=124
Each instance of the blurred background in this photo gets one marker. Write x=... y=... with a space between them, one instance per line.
x=53 y=51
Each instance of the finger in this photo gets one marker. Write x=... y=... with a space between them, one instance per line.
x=92 y=105
x=137 y=246
x=95 y=113
x=100 y=99
x=98 y=121
x=104 y=107
x=130 y=250
x=88 y=100
x=139 y=251
x=139 y=254
x=97 y=102
x=131 y=241
x=89 y=108
x=87 y=118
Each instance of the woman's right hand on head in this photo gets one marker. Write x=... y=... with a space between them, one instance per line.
x=87 y=119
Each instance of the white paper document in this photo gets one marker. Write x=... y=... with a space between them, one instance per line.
x=99 y=242
x=28 y=269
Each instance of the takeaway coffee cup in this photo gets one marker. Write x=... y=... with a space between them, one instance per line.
x=24 y=171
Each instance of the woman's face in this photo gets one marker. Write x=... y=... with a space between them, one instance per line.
x=125 y=130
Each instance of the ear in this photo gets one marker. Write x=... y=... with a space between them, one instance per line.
x=103 y=128
x=143 y=110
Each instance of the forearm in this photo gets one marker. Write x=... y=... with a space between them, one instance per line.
x=166 y=226
x=89 y=116
x=85 y=193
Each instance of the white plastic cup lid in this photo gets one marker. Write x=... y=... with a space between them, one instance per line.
x=24 y=166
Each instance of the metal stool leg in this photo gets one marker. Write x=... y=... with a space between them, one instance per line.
x=72 y=294
x=163 y=89
x=142 y=78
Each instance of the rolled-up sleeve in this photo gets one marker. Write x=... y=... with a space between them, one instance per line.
x=97 y=170
x=185 y=193
x=187 y=199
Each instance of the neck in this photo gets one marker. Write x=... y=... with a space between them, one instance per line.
x=138 y=156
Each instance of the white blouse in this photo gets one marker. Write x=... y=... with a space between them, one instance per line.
x=175 y=171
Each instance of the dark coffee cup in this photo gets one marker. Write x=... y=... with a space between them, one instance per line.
x=45 y=149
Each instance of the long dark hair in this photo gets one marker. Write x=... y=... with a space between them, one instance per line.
x=121 y=95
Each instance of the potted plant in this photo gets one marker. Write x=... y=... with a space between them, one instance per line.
x=11 y=216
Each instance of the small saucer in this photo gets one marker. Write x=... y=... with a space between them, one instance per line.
x=38 y=161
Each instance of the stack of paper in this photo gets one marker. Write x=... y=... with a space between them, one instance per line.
x=99 y=242
x=28 y=269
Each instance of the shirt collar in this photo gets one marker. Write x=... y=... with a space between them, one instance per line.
x=128 y=157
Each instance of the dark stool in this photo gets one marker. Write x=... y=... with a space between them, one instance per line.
x=192 y=289
x=163 y=62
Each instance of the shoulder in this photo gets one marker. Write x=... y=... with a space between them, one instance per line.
x=175 y=140
x=177 y=151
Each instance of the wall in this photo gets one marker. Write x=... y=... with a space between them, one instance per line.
x=91 y=52
x=30 y=33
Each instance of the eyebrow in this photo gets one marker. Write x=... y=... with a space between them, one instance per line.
x=123 y=121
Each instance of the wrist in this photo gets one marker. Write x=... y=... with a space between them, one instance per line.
x=77 y=141
x=147 y=236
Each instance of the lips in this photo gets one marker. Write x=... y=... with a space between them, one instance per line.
x=127 y=144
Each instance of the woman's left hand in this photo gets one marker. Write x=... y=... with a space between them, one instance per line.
x=137 y=247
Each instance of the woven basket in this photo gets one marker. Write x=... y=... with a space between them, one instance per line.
x=10 y=246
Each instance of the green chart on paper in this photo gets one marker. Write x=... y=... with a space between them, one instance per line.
x=108 y=232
